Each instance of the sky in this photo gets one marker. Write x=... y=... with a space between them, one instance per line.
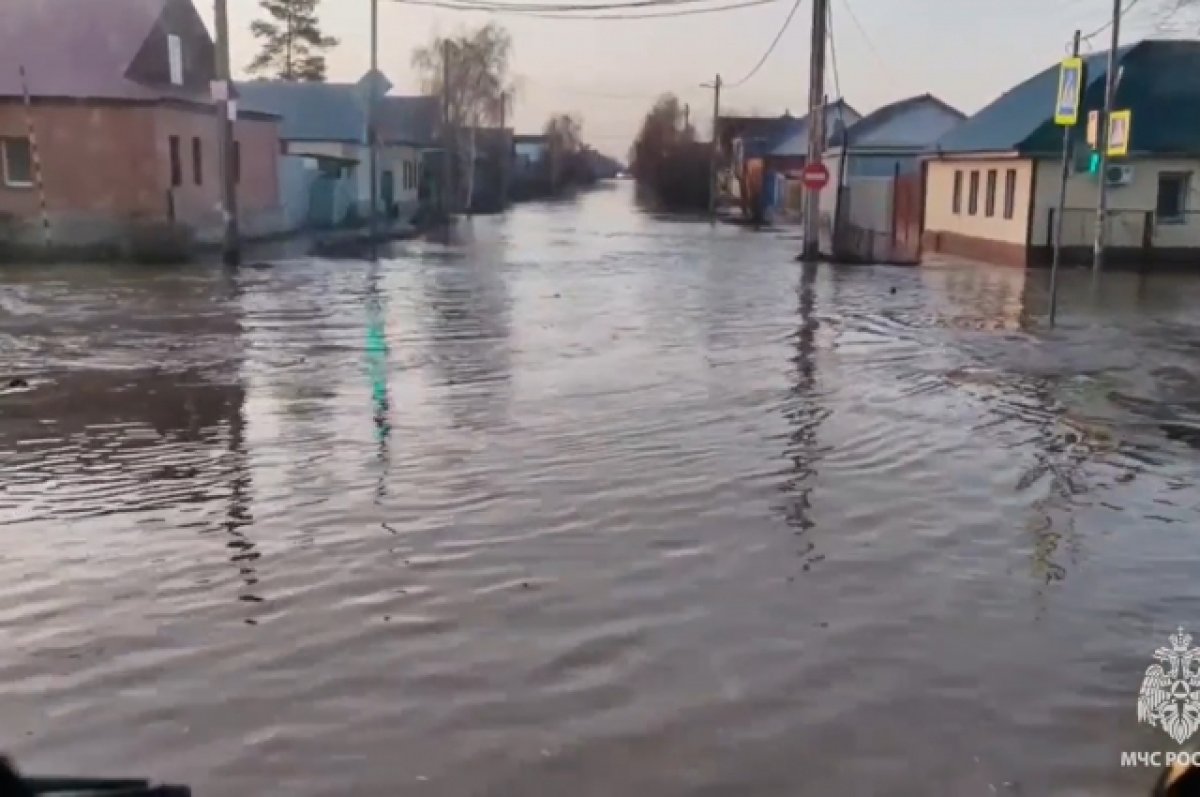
x=966 y=52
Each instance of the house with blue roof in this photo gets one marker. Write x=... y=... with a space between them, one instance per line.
x=326 y=172
x=867 y=160
x=992 y=183
x=768 y=153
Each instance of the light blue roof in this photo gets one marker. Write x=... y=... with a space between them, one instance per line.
x=309 y=111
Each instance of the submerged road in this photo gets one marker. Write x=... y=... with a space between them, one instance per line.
x=593 y=502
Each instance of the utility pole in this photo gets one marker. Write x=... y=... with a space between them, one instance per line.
x=231 y=248
x=372 y=132
x=816 y=129
x=1062 y=199
x=715 y=159
x=506 y=154
x=687 y=116
x=1110 y=91
x=447 y=133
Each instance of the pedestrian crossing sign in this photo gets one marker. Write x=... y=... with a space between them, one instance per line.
x=1120 y=125
x=1070 y=91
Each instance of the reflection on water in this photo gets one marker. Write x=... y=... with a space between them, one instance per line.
x=583 y=499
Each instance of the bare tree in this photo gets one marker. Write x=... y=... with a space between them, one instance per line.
x=564 y=139
x=469 y=72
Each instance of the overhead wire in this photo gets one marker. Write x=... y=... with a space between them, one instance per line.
x=1128 y=7
x=573 y=12
x=774 y=42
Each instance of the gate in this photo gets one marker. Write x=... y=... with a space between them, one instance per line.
x=907 y=209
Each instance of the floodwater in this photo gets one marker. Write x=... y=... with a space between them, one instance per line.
x=592 y=502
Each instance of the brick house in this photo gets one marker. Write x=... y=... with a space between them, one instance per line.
x=124 y=127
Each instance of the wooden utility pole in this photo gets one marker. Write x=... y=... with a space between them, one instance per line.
x=231 y=250
x=372 y=118
x=1062 y=199
x=1110 y=91
x=715 y=156
x=816 y=128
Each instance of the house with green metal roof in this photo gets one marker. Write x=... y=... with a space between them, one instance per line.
x=992 y=182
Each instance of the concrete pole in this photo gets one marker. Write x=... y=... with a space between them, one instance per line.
x=816 y=129
x=231 y=252
x=1110 y=91
x=1062 y=202
x=506 y=151
x=714 y=160
x=448 y=134
x=372 y=132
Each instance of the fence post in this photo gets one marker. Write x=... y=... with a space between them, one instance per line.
x=1147 y=237
x=1050 y=227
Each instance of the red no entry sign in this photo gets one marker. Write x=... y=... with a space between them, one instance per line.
x=815 y=176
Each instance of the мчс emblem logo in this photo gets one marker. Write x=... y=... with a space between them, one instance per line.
x=1170 y=696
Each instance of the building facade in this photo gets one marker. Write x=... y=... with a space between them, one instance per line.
x=991 y=189
x=119 y=140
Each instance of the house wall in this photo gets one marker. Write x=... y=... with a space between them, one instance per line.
x=199 y=205
x=94 y=166
x=1128 y=205
x=978 y=236
x=106 y=167
x=394 y=157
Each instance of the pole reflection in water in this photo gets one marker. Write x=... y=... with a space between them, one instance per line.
x=377 y=373
x=804 y=414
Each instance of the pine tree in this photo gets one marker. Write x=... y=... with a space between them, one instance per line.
x=291 y=41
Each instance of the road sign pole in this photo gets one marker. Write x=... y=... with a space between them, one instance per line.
x=1110 y=90
x=1062 y=195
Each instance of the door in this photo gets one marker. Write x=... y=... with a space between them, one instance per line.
x=387 y=189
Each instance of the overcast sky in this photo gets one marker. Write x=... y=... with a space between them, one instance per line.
x=964 y=51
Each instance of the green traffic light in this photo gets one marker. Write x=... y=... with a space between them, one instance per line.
x=1094 y=163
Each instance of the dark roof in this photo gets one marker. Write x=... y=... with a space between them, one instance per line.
x=309 y=111
x=83 y=49
x=880 y=117
x=1160 y=83
x=408 y=120
x=531 y=138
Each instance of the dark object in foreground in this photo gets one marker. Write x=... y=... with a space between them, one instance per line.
x=13 y=784
x=17 y=381
x=1180 y=780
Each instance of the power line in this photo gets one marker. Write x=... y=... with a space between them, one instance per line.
x=837 y=81
x=1128 y=7
x=863 y=32
x=454 y=5
x=525 y=7
x=771 y=49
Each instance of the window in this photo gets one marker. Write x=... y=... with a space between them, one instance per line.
x=18 y=162
x=236 y=157
x=989 y=200
x=176 y=165
x=957 y=201
x=175 y=57
x=1172 y=197
x=1010 y=193
x=197 y=162
x=973 y=196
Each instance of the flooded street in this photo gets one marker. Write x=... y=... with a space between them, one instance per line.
x=593 y=503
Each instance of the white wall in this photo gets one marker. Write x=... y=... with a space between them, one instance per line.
x=1128 y=203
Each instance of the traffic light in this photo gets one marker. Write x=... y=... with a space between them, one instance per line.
x=1094 y=163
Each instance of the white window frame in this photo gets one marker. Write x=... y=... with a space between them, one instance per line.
x=175 y=58
x=8 y=181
